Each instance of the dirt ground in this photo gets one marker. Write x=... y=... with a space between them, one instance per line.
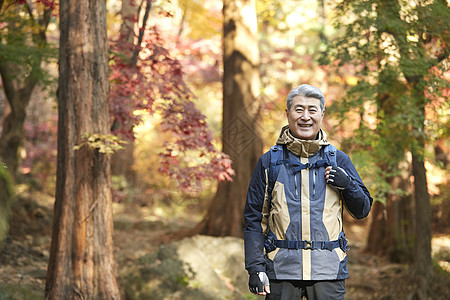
x=139 y=231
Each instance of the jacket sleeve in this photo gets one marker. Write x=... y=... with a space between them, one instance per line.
x=254 y=236
x=356 y=196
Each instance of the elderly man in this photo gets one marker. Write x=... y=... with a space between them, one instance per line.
x=294 y=240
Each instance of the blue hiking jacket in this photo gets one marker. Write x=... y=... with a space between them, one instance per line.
x=303 y=208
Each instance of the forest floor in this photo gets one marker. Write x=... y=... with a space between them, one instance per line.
x=140 y=231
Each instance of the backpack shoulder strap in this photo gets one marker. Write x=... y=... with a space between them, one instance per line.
x=276 y=154
x=330 y=154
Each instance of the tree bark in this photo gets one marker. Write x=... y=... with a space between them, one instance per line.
x=81 y=264
x=392 y=230
x=423 y=212
x=423 y=264
x=241 y=112
x=6 y=200
x=13 y=132
x=122 y=161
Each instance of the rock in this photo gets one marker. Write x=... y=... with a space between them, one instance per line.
x=199 y=267
x=218 y=263
x=38 y=274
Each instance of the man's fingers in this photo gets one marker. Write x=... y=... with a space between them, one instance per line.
x=327 y=172
x=338 y=178
x=330 y=174
x=267 y=289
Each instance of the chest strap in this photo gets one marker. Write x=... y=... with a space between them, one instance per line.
x=297 y=166
x=312 y=245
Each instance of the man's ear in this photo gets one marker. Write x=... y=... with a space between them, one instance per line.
x=286 y=111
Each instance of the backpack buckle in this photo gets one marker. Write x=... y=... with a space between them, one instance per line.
x=269 y=245
x=343 y=244
x=308 y=245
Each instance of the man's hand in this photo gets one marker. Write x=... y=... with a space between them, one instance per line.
x=259 y=284
x=337 y=177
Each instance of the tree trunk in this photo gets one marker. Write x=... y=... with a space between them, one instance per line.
x=416 y=81
x=122 y=161
x=388 y=235
x=13 y=132
x=391 y=230
x=128 y=14
x=423 y=262
x=402 y=224
x=6 y=200
x=377 y=231
x=18 y=83
x=241 y=113
x=81 y=264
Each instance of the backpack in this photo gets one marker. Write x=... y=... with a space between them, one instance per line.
x=276 y=155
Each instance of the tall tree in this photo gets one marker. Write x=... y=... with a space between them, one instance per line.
x=388 y=233
x=81 y=263
x=241 y=113
x=399 y=47
x=416 y=60
x=23 y=47
x=122 y=161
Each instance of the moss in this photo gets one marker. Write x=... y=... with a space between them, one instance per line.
x=159 y=275
x=6 y=200
x=19 y=292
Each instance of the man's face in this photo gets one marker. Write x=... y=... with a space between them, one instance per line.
x=305 y=117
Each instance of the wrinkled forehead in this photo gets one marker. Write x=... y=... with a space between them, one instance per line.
x=305 y=102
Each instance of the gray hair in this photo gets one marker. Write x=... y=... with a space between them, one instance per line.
x=306 y=90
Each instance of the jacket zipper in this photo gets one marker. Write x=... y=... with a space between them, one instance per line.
x=314 y=182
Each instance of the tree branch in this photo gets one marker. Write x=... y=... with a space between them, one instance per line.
x=141 y=32
x=8 y=84
x=40 y=39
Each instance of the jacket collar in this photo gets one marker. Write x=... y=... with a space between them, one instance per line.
x=302 y=148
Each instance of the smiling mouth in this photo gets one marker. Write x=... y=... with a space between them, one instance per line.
x=305 y=125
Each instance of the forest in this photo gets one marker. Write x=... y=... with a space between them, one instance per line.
x=129 y=132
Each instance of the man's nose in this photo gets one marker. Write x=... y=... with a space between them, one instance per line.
x=305 y=115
